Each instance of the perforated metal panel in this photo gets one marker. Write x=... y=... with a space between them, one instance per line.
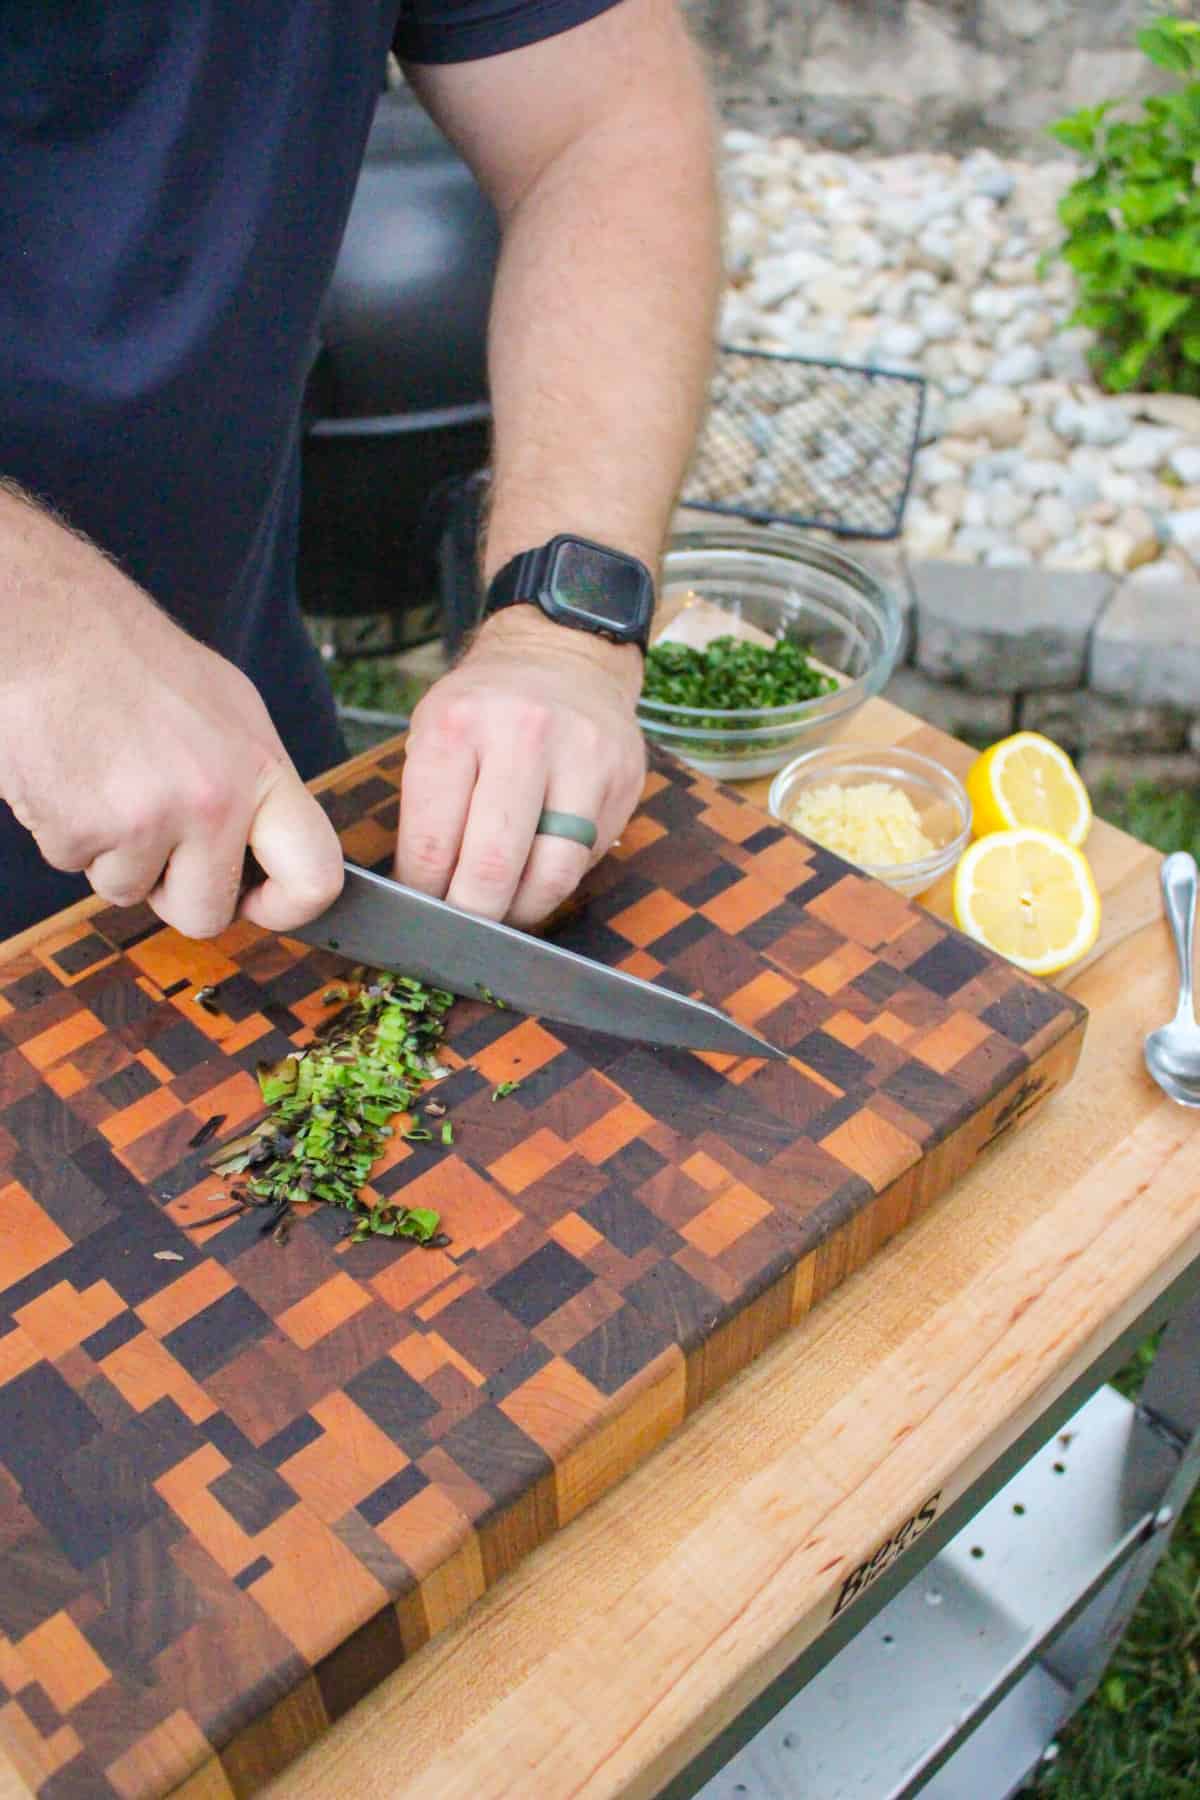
x=802 y=442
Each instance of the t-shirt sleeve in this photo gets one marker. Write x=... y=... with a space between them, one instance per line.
x=448 y=31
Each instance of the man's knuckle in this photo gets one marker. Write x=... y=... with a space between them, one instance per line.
x=142 y=816
x=318 y=888
x=197 y=921
x=119 y=892
x=529 y=723
x=66 y=849
x=550 y=890
x=590 y=745
x=450 y=724
x=429 y=853
x=494 y=865
x=210 y=798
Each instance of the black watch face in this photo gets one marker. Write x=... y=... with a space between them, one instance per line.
x=598 y=585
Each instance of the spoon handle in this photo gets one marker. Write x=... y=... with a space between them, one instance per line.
x=1179 y=898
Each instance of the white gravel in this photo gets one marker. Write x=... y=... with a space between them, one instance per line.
x=930 y=263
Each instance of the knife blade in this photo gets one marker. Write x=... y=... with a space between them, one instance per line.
x=389 y=926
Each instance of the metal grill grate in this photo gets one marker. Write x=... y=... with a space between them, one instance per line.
x=800 y=442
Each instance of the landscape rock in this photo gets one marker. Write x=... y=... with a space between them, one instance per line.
x=993 y=304
x=940 y=323
x=1033 y=536
x=1007 y=506
x=900 y=340
x=1066 y=355
x=1036 y=476
x=1180 y=410
x=991 y=412
x=1007 y=556
x=1016 y=367
x=1058 y=516
x=1079 y=490
x=1092 y=422
x=1184 y=461
x=949 y=500
x=1146 y=447
x=992 y=178
x=926 y=533
x=1184 y=530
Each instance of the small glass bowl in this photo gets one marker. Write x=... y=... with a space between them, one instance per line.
x=792 y=587
x=939 y=798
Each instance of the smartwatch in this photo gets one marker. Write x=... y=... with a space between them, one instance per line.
x=580 y=584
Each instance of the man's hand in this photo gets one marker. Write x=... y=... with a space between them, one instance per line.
x=534 y=716
x=136 y=755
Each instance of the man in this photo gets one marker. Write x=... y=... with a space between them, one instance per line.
x=174 y=181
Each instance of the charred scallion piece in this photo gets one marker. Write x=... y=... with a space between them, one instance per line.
x=209 y=1129
x=331 y=1107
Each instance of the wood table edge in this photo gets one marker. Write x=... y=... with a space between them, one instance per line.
x=631 y=1744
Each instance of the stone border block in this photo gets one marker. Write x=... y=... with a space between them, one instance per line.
x=1079 y=719
x=1146 y=647
x=1101 y=768
x=888 y=562
x=1006 y=630
x=975 y=717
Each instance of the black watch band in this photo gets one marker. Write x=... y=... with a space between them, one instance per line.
x=521 y=580
x=580 y=584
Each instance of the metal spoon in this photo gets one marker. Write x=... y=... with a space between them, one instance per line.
x=1173 y=1051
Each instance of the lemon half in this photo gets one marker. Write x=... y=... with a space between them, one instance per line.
x=1027 y=780
x=1030 y=896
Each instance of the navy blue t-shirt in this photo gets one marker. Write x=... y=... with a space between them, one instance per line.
x=175 y=177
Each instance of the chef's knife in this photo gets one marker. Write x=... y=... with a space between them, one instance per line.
x=389 y=926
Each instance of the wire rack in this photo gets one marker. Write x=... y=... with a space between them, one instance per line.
x=796 y=441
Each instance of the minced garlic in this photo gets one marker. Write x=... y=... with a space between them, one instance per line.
x=874 y=825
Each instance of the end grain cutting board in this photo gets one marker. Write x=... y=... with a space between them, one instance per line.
x=239 y=1482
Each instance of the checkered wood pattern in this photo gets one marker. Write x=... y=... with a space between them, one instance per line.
x=239 y=1483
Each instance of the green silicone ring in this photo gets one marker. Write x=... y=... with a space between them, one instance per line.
x=567 y=825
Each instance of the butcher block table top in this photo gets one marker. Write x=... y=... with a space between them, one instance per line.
x=610 y=1654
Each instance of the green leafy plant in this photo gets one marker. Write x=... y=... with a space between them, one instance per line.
x=1133 y=225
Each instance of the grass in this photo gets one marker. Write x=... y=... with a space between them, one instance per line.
x=1168 y=819
x=1138 y=1738
x=374 y=683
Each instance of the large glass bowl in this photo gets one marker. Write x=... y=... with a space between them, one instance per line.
x=938 y=797
x=792 y=587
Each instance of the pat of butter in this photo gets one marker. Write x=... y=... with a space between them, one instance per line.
x=696 y=622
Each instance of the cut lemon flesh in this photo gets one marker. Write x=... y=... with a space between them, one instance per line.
x=1030 y=896
x=1027 y=780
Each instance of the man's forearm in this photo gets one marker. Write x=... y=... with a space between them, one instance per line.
x=602 y=324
